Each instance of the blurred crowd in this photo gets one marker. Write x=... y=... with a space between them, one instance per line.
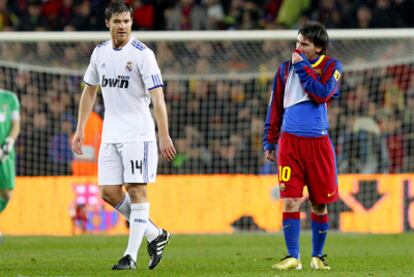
x=48 y=119
x=373 y=122
x=88 y=15
x=217 y=92
x=217 y=124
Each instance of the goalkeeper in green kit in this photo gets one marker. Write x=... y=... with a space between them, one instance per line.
x=9 y=130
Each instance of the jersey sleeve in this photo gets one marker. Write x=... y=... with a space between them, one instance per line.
x=274 y=114
x=150 y=72
x=91 y=76
x=320 y=90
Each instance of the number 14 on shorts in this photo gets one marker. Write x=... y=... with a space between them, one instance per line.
x=136 y=165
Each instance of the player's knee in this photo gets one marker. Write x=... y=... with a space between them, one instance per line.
x=138 y=193
x=111 y=196
x=319 y=208
x=106 y=196
x=292 y=204
x=4 y=199
x=5 y=195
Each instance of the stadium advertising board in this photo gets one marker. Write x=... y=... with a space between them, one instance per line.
x=205 y=204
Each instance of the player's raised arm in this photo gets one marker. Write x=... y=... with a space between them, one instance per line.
x=85 y=108
x=160 y=112
x=320 y=91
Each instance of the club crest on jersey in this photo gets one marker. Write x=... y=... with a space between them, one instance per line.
x=128 y=66
x=282 y=186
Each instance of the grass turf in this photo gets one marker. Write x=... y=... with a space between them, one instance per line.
x=206 y=255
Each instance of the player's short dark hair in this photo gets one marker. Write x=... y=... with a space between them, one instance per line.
x=317 y=34
x=116 y=8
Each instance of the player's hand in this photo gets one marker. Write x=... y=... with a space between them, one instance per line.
x=77 y=142
x=167 y=148
x=296 y=57
x=270 y=155
x=3 y=156
x=6 y=148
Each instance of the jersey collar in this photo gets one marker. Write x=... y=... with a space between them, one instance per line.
x=317 y=61
x=119 y=49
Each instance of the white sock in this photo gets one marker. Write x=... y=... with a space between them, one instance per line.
x=137 y=225
x=124 y=207
x=152 y=231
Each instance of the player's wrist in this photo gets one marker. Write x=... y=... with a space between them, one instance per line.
x=7 y=147
x=8 y=144
x=269 y=146
x=9 y=140
x=80 y=130
x=164 y=135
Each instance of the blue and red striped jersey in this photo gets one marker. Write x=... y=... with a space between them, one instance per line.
x=300 y=93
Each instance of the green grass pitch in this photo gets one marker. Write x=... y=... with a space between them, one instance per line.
x=207 y=255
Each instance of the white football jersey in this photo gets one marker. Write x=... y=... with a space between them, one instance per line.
x=125 y=75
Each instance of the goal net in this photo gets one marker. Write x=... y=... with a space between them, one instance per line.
x=217 y=91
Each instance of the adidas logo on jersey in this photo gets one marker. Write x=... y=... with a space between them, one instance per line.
x=121 y=81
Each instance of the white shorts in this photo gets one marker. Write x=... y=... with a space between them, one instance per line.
x=130 y=162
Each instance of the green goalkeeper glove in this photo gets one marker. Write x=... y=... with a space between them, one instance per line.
x=6 y=148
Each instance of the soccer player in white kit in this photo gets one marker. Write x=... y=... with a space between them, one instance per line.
x=127 y=71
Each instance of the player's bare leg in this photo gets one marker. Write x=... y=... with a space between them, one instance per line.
x=112 y=194
x=5 y=195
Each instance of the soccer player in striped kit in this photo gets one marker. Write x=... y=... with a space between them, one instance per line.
x=129 y=77
x=296 y=132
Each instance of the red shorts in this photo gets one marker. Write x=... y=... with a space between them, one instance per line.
x=307 y=161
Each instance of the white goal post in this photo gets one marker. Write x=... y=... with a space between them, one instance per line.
x=343 y=34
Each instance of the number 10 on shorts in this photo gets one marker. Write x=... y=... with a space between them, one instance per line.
x=284 y=173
